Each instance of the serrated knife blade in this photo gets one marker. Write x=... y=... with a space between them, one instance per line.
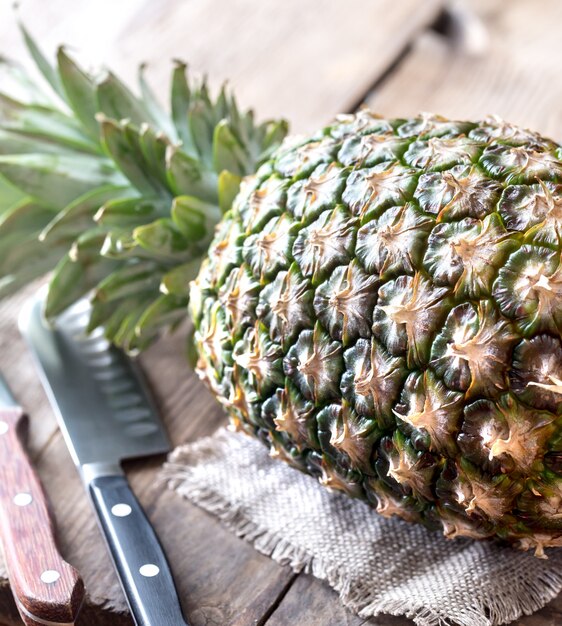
x=106 y=415
x=104 y=410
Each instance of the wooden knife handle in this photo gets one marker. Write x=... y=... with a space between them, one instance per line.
x=48 y=591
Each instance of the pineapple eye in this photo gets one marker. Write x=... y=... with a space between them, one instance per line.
x=536 y=372
x=528 y=290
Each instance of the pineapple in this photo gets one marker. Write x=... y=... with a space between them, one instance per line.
x=380 y=303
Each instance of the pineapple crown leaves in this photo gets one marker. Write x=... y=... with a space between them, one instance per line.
x=119 y=197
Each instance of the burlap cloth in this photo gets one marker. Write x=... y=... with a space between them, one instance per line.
x=377 y=565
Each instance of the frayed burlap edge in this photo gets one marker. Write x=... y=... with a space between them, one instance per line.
x=521 y=599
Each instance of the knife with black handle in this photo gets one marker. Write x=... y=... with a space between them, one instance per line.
x=106 y=416
x=48 y=591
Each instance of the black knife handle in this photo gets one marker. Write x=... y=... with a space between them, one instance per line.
x=137 y=554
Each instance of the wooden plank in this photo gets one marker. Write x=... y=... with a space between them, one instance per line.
x=517 y=77
x=17 y=367
x=305 y=65
x=321 y=609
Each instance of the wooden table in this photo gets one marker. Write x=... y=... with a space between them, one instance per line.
x=307 y=64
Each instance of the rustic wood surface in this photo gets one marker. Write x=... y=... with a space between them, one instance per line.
x=306 y=66
x=516 y=75
x=29 y=546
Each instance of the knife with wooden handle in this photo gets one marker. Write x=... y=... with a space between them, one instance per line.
x=48 y=591
x=107 y=416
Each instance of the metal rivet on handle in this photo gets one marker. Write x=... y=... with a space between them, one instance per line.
x=4 y=428
x=50 y=576
x=149 y=570
x=23 y=499
x=121 y=510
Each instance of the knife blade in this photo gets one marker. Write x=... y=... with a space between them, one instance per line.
x=46 y=588
x=106 y=416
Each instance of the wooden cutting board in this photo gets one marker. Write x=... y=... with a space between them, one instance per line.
x=306 y=64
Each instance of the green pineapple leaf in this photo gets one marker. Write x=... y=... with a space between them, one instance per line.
x=129 y=212
x=56 y=180
x=194 y=218
x=117 y=102
x=40 y=123
x=228 y=188
x=49 y=72
x=165 y=311
x=123 y=147
x=80 y=90
x=180 y=104
x=228 y=153
x=100 y=184
x=75 y=218
x=79 y=271
x=176 y=281
x=153 y=106
x=163 y=239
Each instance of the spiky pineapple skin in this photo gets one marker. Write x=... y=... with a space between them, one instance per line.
x=383 y=308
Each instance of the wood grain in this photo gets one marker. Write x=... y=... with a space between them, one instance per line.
x=27 y=536
x=321 y=609
x=306 y=67
x=18 y=370
x=516 y=77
